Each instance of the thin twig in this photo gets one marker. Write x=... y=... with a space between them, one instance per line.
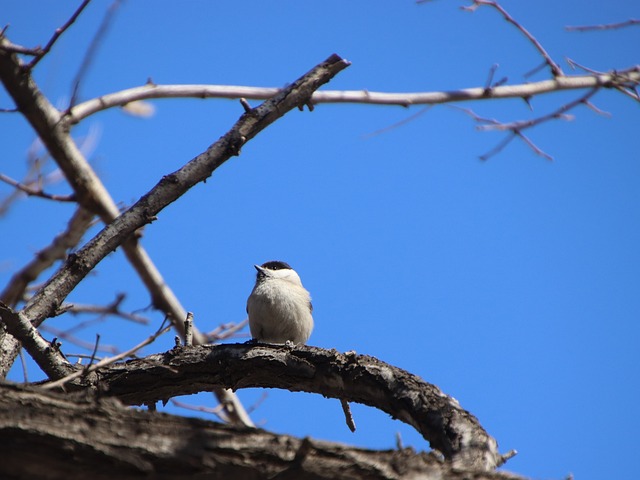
x=69 y=337
x=537 y=150
x=108 y=361
x=59 y=31
x=556 y=71
x=608 y=26
x=557 y=114
x=498 y=148
x=93 y=354
x=23 y=361
x=516 y=128
x=36 y=192
x=218 y=410
x=90 y=54
x=102 y=310
x=404 y=121
x=225 y=330
x=251 y=408
x=57 y=250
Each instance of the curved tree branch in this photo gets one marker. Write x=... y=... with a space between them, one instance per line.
x=356 y=378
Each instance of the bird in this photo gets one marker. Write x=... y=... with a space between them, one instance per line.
x=279 y=307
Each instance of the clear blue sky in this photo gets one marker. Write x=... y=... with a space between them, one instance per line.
x=513 y=284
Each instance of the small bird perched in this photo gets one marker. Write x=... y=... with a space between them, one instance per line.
x=279 y=307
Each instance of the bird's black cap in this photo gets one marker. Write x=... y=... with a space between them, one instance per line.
x=276 y=265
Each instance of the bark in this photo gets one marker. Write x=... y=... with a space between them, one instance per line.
x=48 y=435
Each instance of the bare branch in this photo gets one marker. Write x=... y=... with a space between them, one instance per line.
x=107 y=361
x=218 y=410
x=102 y=311
x=90 y=54
x=525 y=90
x=608 y=26
x=69 y=337
x=36 y=192
x=516 y=128
x=17 y=285
x=41 y=52
x=556 y=71
x=557 y=114
x=78 y=224
x=532 y=145
x=404 y=121
x=226 y=330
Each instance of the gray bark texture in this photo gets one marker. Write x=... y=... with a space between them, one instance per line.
x=84 y=435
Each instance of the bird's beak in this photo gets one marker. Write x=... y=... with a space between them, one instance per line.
x=259 y=268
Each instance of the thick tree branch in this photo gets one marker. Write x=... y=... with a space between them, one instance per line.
x=50 y=436
x=355 y=378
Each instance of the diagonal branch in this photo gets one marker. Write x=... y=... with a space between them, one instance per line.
x=45 y=302
x=53 y=128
